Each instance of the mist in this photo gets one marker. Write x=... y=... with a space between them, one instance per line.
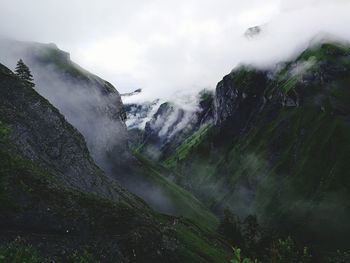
x=84 y=102
x=166 y=47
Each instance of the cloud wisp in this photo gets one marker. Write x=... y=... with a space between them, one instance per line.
x=168 y=46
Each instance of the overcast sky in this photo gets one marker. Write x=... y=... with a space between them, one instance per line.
x=169 y=47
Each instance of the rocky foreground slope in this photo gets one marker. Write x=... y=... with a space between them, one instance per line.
x=53 y=196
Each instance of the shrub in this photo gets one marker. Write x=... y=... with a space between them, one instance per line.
x=238 y=258
x=18 y=251
x=286 y=251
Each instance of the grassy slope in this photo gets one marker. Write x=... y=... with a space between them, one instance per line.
x=291 y=169
x=185 y=203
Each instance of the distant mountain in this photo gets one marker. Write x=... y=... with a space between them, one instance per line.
x=135 y=92
x=138 y=114
x=279 y=147
x=172 y=124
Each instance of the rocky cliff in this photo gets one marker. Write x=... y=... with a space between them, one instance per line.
x=90 y=104
x=171 y=124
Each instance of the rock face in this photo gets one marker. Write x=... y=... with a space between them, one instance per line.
x=172 y=124
x=135 y=92
x=138 y=114
x=90 y=104
x=237 y=99
x=54 y=196
x=279 y=147
x=44 y=136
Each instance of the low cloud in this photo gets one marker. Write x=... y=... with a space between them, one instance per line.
x=166 y=47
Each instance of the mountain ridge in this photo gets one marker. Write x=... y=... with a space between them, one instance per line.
x=61 y=213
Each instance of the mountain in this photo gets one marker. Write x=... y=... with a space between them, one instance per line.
x=138 y=114
x=57 y=204
x=267 y=153
x=278 y=148
x=94 y=107
x=135 y=92
x=170 y=125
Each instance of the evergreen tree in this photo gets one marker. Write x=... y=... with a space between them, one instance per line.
x=23 y=72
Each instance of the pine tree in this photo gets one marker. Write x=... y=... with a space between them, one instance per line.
x=23 y=72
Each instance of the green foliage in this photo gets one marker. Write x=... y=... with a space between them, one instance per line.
x=325 y=51
x=4 y=132
x=238 y=258
x=192 y=244
x=19 y=251
x=84 y=257
x=23 y=72
x=281 y=251
x=186 y=147
x=183 y=201
x=339 y=257
x=287 y=251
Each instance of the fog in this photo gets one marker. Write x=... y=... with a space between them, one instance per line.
x=170 y=49
x=168 y=46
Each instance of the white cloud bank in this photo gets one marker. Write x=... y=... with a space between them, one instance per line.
x=165 y=46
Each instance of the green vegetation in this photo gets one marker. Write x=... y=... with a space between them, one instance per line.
x=326 y=51
x=20 y=251
x=22 y=178
x=238 y=259
x=286 y=250
x=4 y=132
x=184 y=202
x=183 y=150
x=287 y=165
x=206 y=250
x=23 y=72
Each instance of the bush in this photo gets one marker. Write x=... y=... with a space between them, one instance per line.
x=85 y=257
x=238 y=259
x=286 y=251
x=339 y=257
x=18 y=251
x=4 y=132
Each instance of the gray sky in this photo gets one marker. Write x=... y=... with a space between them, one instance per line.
x=171 y=47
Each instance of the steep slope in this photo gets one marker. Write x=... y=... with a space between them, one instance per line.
x=54 y=196
x=171 y=124
x=90 y=104
x=280 y=147
x=94 y=107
